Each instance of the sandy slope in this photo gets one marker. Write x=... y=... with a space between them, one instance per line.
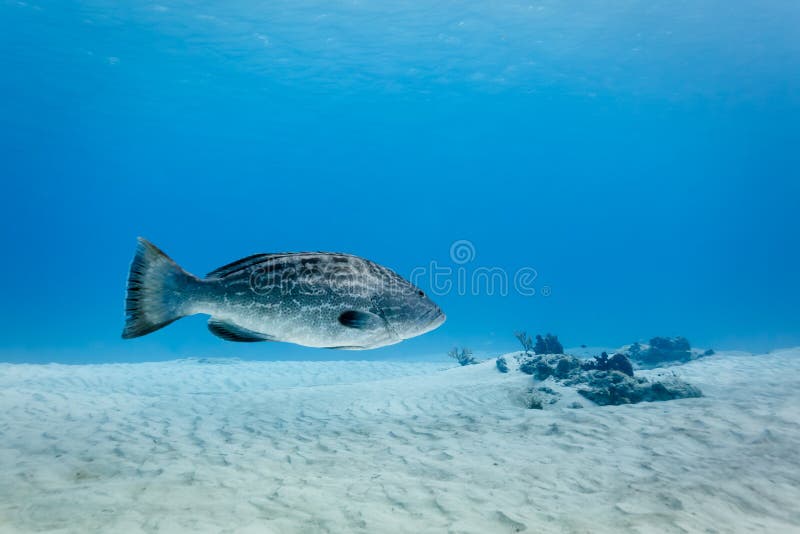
x=389 y=447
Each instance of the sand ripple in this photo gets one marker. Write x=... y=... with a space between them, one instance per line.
x=216 y=446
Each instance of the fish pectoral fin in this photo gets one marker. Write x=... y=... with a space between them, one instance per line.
x=360 y=320
x=232 y=332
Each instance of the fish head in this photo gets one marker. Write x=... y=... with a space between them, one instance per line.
x=410 y=312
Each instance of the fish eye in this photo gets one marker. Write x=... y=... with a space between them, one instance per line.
x=421 y=293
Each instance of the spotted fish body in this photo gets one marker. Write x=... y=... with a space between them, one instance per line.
x=316 y=299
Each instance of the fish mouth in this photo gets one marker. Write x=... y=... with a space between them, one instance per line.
x=438 y=318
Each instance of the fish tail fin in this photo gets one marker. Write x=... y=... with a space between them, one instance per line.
x=156 y=289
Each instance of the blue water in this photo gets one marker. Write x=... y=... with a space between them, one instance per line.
x=640 y=157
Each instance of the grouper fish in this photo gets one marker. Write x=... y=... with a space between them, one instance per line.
x=316 y=299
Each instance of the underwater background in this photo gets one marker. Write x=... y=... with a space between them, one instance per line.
x=607 y=172
x=638 y=160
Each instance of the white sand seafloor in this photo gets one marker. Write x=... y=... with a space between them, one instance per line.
x=194 y=446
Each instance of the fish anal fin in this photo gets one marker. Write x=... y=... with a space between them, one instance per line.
x=233 y=332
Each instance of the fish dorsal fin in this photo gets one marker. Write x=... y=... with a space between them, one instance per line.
x=249 y=261
x=232 y=332
x=360 y=320
x=238 y=265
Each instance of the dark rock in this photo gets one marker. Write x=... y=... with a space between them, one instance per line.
x=608 y=387
x=599 y=363
x=548 y=344
x=566 y=366
x=662 y=350
x=635 y=351
x=528 y=367
x=666 y=350
x=542 y=370
x=709 y=352
x=558 y=365
x=671 y=389
x=620 y=362
x=603 y=380
x=502 y=365
x=614 y=387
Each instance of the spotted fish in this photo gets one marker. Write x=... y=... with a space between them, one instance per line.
x=316 y=299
